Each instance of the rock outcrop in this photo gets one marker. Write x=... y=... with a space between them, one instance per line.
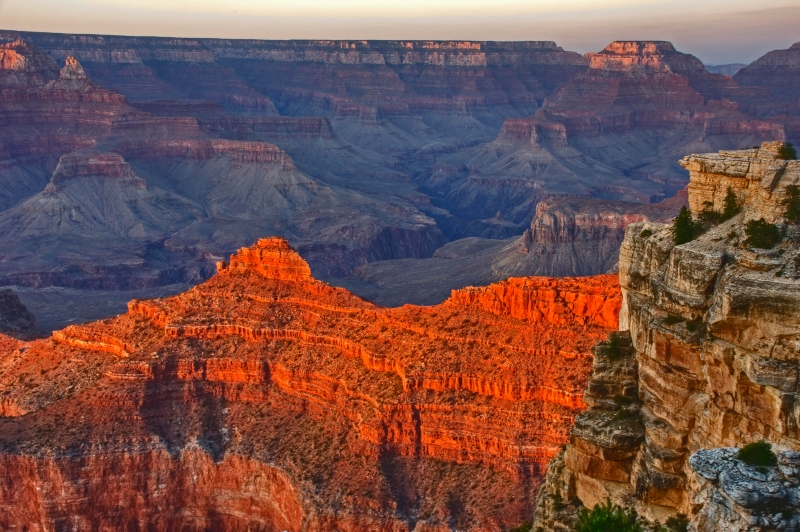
x=578 y=236
x=753 y=175
x=264 y=399
x=736 y=496
x=272 y=258
x=15 y=318
x=707 y=359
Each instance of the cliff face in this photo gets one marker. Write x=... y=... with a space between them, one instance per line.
x=708 y=359
x=584 y=139
x=97 y=194
x=264 y=399
x=15 y=318
x=578 y=236
x=775 y=72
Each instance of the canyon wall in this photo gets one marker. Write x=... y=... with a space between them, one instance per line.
x=706 y=360
x=97 y=194
x=578 y=236
x=358 y=152
x=264 y=399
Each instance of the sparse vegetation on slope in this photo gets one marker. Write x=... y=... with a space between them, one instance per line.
x=607 y=517
x=730 y=208
x=685 y=228
x=761 y=234
x=787 y=152
x=792 y=204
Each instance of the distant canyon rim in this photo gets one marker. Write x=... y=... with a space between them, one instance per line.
x=398 y=169
x=394 y=285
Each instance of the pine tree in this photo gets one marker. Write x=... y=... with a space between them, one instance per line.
x=730 y=206
x=792 y=204
x=607 y=517
x=787 y=151
x=761 y=234
x=684 y=228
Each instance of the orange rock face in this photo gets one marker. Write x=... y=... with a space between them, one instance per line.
x=266 y=400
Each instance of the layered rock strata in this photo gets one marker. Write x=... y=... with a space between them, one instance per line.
x=264 y=399
x=776 y=72
x=97 y=194
x=588 y=137
x=578 y=236
x=383 y=150
x=713 y=364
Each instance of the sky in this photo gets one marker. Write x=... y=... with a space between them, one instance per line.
x=716 y=31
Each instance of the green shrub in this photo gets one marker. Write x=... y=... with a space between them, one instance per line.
x=730 y=205
x=612 y=350
x=607 y=517
x=732 y=235
x=621 y=414
x=761 y=234
x=792 y=204
x=558 y=502
x=694 y=324
x=527 y=526
x=758 y=454
x=684 y=228
x=677 y=523
x=646 y=233
x=787 y=152
x=672 y=320
x=709 y=216
x=730 y=208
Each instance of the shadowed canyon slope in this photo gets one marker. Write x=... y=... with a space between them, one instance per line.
x=569 y=235
x=263 y=399
x=131 y=163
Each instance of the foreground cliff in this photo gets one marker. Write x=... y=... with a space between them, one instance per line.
x=707 y=360
x=266 y=400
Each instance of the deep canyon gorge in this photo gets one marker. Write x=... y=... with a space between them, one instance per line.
x=129 y=166
x=393 y=285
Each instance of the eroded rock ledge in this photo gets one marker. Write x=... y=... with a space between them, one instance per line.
x=707 y=360
x=264 y=399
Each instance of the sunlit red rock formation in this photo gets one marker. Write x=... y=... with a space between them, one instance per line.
x=707 y=360
x=583 y=301
x=272 y=258
x=266 y=399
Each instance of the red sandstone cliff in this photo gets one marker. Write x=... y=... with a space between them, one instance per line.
x=266 y=399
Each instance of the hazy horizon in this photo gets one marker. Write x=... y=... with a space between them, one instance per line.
x=719 y=32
